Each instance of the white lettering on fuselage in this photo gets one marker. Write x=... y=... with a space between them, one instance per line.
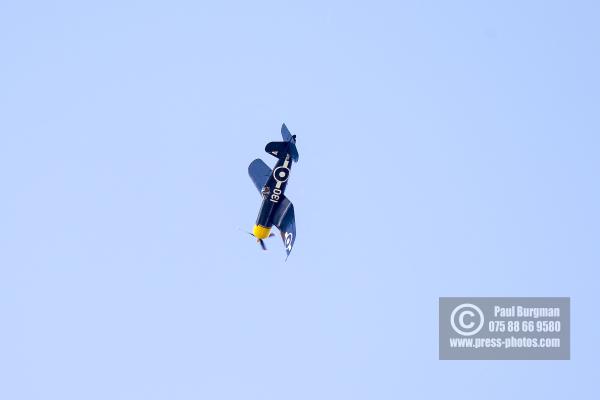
x=275 y=196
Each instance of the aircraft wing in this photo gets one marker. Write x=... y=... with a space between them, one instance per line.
x=259 y=173
x=285 y=221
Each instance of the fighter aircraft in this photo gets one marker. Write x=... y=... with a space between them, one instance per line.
x=275 y=208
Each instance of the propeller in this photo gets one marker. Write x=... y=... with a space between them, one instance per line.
x=262 y=244
x=260 y=241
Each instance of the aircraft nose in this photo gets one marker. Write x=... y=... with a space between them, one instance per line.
x=261 y=232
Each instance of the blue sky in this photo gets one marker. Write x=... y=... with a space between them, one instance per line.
x=446 y=149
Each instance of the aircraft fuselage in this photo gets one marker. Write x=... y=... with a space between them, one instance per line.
x=272 y=197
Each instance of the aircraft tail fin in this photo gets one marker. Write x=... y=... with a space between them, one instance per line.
x=291 y=139
x=294 y=151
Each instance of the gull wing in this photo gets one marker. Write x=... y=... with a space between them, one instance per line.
x=259 y=173
x=284 y=219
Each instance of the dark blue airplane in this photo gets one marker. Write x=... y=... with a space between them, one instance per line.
x=275 y=209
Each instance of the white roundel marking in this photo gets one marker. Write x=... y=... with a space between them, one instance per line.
x=281 y=174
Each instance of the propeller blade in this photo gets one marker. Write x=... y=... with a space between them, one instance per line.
x=245 y=231
x=262 y=243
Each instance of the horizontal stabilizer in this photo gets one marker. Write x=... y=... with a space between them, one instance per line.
x=282 y=149
x=285 y=134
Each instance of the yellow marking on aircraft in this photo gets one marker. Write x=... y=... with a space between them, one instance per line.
x=261 y=232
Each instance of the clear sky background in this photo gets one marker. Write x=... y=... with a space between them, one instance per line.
x=446 y=149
